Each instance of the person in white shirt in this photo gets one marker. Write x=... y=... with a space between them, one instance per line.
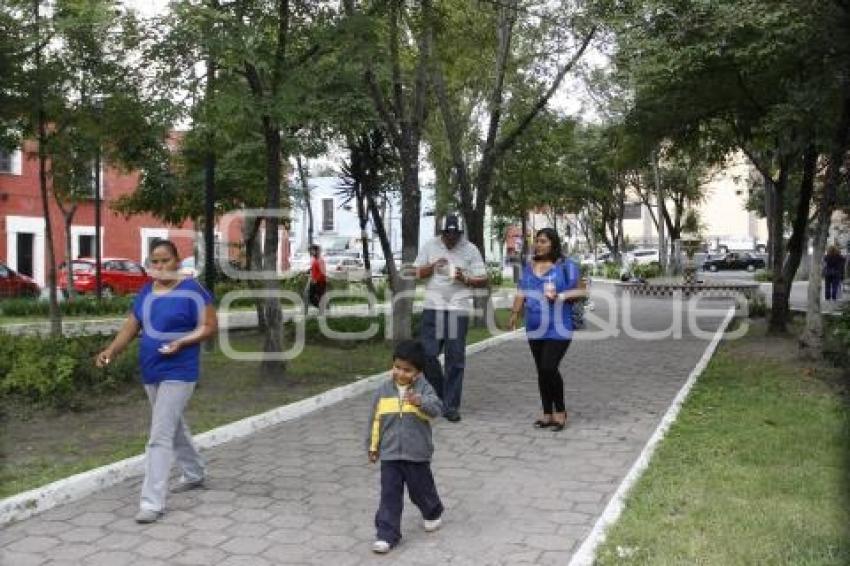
x=452 y=266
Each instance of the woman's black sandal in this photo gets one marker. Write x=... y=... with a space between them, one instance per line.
x=556 y=426
x=543 y=424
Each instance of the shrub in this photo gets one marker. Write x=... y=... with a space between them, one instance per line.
x=611 y=270
x=59 y=372
x=494 y=275
x=647 y=271
x=295 y=284
x=836 y=344
x=757 y=306
x=764 y=276
x=80 y=306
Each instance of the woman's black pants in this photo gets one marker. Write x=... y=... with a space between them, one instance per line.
x=547 y=357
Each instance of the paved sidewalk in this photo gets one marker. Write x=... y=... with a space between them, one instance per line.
x=303 y=493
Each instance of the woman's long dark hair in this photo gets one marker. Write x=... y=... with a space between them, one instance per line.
x=555 y=253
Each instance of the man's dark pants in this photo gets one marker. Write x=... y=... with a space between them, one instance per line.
x=445 y=331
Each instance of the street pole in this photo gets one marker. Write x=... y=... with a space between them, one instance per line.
x=662 y=238
x=209 y=192
x=97 y=224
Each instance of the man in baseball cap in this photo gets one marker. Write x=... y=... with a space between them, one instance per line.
x=452 y=266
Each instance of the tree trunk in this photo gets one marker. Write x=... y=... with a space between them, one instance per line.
x=273 y=335
x=406 y=283
x=786 y=267
x=363 y=218
x=209 y=191
x=254 y=259
x=777 y=323
x=383 y=238
x=522 y=252
x=308 y=203
x=769 y=212
x=811 y=340
x=68 y=217
x=55 y=313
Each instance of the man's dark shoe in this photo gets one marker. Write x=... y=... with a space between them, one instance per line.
x=453 y=417
x=183 y=486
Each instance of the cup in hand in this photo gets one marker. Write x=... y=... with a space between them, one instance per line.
x=549 y=289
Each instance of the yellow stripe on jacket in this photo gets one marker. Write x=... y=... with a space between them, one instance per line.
x=390 y=406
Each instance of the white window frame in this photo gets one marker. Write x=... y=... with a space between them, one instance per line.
x=333 y=215
x=16 y=166
x=27 y=225
x=77 y=231
x=261 y=234
x=146 y=234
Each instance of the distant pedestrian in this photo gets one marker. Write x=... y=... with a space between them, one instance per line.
x=174 y=315
x=547 y=288
x=452 y=265
x=399 y=434
x=318 y=277
x=833 y=273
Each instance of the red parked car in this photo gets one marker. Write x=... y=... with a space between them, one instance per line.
x=14 y=284
x=118 y=276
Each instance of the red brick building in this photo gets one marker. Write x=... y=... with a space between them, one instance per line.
x=22 y=223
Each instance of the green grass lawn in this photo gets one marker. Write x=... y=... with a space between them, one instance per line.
x=38 y=446
x=754 y=471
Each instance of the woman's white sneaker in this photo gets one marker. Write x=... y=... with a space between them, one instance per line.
x=431 y=526
x=381 y=546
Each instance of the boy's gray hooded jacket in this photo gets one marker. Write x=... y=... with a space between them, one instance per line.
x=401 y=431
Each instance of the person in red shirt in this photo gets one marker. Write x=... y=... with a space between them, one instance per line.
x=318 y=277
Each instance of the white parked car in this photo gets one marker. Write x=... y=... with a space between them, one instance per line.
x=642 y=256
x=345 y=267
x=300 y=262
x=601 y=258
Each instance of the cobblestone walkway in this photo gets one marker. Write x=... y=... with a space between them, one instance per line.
x=303 y=492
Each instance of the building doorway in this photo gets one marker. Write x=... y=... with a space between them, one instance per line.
x=25 y=247
x=25 y=251
x=85 y=245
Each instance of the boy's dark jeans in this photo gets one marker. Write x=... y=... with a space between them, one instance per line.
x=420 y=487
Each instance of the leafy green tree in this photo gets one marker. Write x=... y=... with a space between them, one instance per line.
x=70 y=54
x=523 y=49
x=395 y=68
x=726 y=74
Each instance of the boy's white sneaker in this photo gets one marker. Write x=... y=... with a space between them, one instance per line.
x=381 y=546
x=431 y=526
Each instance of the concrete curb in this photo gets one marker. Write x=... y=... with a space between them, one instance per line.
x=586 y=552
x=25 y=505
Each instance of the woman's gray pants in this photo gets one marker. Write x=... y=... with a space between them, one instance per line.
x=169 y=438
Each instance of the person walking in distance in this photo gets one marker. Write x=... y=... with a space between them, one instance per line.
x=547 y=287
x=318 y=277
x=452 y=266
x=174 y=315
x=833 y=273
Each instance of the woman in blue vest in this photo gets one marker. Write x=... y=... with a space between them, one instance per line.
x=174 y=315
x=547 y=287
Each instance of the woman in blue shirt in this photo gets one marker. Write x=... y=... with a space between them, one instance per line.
x=174 y=316
x=546 y=289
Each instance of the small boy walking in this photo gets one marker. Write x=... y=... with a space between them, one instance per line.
x=400 y=435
